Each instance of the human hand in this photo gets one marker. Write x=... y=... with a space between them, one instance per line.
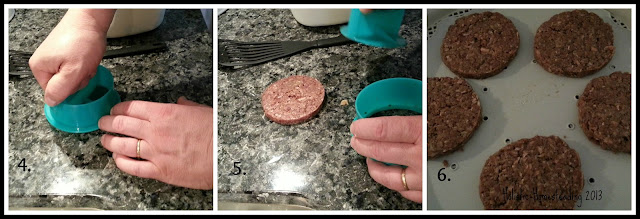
x=366 y=11
x=392 y=139
x=176 y=141
x=69 y=57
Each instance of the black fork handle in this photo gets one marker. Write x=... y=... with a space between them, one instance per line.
x=335 y=41
x=135 y=50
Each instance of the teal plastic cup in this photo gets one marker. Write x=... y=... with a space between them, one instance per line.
x=379 y=28
x=389 y=94
x=80 y=112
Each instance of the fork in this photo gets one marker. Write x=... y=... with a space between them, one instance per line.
x=19 y=60
x=19 y=63
x=236 y=53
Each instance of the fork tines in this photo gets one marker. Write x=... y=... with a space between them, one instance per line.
x=19 y=62
x=247 y=53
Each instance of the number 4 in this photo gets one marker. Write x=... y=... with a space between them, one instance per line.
x=23 y=164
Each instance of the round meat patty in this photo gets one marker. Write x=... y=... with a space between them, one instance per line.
x=480 y=45
x=604 y=111
x=574 y=44
x=453 y=115
x=293 y=100
x=535 y=173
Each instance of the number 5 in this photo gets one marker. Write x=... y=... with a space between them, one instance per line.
x=235 y=166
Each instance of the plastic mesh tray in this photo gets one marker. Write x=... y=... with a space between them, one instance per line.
x=524 y=101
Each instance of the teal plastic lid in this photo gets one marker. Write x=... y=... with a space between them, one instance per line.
x=389 y=94
x=80 y=112
x=379 y=28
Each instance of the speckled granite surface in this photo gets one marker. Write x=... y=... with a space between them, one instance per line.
x=73 y=170
x=261 y=161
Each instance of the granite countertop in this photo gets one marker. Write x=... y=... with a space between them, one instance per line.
x=74 y=171
x=310 y=164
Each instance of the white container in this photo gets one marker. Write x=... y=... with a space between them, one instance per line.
x=11 y=13
x=207 y=14
x=128 y=22
x=321 y=17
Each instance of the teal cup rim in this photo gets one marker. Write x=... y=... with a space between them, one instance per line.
x=80 y=112
x=379 y=28
x=389 y=94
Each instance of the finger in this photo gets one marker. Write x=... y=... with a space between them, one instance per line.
x=389 y=152
x=391 y=176
x=401 y=129
x=43 y=67
x=183 y=101
x=366 y=11
x=415 y=196
x=84 y=83
x=42 y=77
x=127 y=146
x=140 y=168
x=63 y=84
x=138 y=109
x=125 y=125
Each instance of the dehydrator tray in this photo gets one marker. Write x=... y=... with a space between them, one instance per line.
x=524 y=101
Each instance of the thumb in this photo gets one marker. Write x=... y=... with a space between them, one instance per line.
x=366 y=11
x=63 y=84
x=183 y=101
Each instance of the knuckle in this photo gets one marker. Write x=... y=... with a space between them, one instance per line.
x=163 y=132
x=119 y=124
x=166 y=111
x=376 y=152
x=129 y=107
x=57 y=91
x=35 y=61
x=380 y=130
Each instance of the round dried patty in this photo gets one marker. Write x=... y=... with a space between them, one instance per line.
x=480 y=45
x=604 y=111
x=453 y=115
x=574 y=44
x=293 y=100
x=535 y=173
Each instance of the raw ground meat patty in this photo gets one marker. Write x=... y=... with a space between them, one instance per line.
x=535 y=173
x=574 y=44
x=293 y=100
x=604 y=111
x=480 y=45
x=453 y=115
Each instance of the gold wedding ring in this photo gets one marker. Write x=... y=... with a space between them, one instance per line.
x=404 y=179
x=138 y=151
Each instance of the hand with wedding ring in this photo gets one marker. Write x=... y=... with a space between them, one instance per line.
x=392 y=139
x=172 y=143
